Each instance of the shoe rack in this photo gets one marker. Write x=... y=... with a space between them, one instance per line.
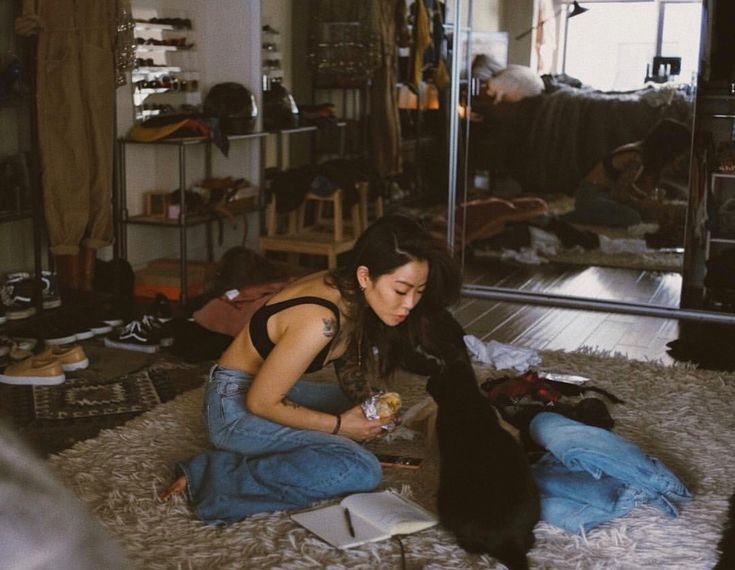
x=184 y=219
x=271 y=56
x=716 y=112
x=21 y=212
x=165 y=79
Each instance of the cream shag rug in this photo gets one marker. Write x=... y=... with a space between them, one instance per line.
x=681 y=415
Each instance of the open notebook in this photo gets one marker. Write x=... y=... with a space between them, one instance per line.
x=374 y=516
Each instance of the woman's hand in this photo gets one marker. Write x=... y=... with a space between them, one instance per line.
x=356 y=426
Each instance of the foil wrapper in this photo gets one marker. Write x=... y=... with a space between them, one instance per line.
x=370 y=409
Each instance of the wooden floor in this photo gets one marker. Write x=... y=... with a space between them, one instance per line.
x=547 y=328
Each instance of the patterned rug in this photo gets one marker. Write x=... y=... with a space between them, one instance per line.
x=77 y=398
x=117 y=386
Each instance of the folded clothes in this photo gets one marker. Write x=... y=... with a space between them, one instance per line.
x=592 y=475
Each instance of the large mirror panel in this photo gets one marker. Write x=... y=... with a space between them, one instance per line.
x=574 y=154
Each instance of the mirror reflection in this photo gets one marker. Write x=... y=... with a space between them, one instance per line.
x=575 y=137
x=578 y=149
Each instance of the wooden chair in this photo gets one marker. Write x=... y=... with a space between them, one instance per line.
x=313 y=239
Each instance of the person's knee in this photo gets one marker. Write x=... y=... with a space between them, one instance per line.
x=363 y=473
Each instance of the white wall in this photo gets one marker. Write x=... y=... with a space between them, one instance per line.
x=227 y=38
x=486 y=15
x=516 y=16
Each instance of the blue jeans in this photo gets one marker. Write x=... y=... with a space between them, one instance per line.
x=592 y=475
x=261 y=466
x=593 y=205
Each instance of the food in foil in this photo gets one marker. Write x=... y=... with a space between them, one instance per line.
x=382 y=405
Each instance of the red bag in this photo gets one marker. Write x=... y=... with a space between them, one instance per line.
x=230 y=312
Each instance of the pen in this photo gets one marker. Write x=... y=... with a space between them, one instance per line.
x=348 y=518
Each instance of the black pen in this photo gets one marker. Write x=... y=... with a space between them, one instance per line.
x=348 y=518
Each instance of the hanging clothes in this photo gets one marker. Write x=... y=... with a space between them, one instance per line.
x=78 y=68
x=421 y=41
x=385 y=129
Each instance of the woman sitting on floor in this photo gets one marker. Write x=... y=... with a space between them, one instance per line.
x=283 y=442
x=621 y=189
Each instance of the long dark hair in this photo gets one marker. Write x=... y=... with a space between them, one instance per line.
x=389 y=243
x=666 y=140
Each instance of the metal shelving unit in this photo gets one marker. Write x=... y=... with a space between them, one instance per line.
x=184 y=221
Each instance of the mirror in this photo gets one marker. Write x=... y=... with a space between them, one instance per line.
x=601 y=134
x=580 y=159
x=584 y=99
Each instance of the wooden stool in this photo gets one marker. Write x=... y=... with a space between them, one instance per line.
x=300 y=238
x=363 y=191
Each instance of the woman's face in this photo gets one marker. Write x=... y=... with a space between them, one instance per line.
x=392 y=296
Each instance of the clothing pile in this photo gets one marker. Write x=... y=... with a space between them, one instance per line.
x=587 y=475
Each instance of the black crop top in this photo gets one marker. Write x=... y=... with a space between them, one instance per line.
x=259 y=327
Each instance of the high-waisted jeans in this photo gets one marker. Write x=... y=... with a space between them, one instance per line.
x=591 y=475
x=262 y=466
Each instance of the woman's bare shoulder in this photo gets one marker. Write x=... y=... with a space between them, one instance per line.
x=313 y=285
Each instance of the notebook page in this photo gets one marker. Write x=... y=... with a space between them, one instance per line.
x=329 y=524
x=390 y=511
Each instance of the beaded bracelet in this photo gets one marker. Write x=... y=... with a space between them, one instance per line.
x=338 y=424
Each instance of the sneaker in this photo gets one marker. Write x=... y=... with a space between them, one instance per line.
x=160 y=329
x=70 y=357
x=42 y=372
x=50 y=291
x=55 y=333
x=15 y=349
x=17 y=295
x=134 y=336
x=160 y=308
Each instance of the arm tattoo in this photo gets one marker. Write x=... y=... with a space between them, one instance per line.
x=352 y=380
x=330 y=327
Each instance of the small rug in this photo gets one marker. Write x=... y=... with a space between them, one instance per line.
x=78 y=398
x=679 y=414
x=649 y=261
x=111 y=363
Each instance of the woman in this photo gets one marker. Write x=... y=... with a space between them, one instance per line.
x=284 y=442
x=620 y=190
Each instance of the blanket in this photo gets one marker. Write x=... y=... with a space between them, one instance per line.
x=573 y=129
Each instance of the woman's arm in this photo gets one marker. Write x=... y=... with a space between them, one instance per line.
x=352 y=380
x=625 y=189
x=304 y=334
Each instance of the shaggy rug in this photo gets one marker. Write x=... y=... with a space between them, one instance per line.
x=679 y=414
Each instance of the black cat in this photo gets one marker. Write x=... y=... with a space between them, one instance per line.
x=487 y=496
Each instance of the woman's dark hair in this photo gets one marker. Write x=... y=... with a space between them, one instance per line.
x=664 y=142
x=389 y=243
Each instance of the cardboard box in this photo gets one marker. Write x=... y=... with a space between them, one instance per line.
x=164 y=276
x=156 y=204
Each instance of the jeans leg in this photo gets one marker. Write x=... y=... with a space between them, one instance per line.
x=262 y=466
x=575 y=500
x=593 y=205
x=586 y=448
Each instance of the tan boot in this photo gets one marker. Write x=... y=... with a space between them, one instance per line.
x=67 y=271
x=87 y=258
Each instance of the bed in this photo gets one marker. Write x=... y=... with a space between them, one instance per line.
x=549 y=142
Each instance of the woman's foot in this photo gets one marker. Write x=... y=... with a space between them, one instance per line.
x=175 y=488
